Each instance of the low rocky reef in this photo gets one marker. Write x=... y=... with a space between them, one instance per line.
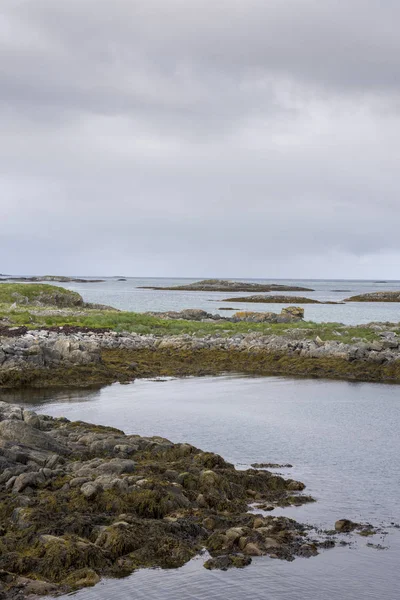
x=376 y=297
x=291 y=314
x=81 y=501
x=57 y=278
x=278 y=300
x=80 y=356
x=224 y=285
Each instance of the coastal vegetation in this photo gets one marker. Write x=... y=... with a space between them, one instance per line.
x=38 y=294
x=84 y=345
x=37 y=317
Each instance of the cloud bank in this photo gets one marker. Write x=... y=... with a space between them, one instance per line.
x=236 y=138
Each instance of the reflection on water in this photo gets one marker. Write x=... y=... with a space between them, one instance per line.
x=43 y=396
x=342 y=438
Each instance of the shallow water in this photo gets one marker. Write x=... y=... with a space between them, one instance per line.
x=127 y=295
x=342 y=439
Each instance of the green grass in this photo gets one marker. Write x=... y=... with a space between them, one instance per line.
x=144 y=324
x=11 y=292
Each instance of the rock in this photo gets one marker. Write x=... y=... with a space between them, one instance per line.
x=36 y=586
x=345 y=525
x=91 y=490
x=227 y=561
x=117 y=466
x=251 y=549
x=24 y=433
x=271 y=466
x=26 y=480
x=307 y=550
x=83 y=515
x=295 y=486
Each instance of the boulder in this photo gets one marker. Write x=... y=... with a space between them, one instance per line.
x=24 y=433
x=345 y=525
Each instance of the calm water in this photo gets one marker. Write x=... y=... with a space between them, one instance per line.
x=126 y=295
x=342 y=438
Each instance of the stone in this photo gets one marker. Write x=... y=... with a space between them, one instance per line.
x=91 y=490
x=227 y=561
x=36 y=586
x=117 y=466
x=25 y=434
x=308 y=550
x=26 y=480
x=345 y=526
x=251 y=549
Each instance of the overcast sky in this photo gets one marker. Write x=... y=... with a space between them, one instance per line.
x=236 y=138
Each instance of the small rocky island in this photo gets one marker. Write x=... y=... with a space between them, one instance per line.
x=224 y=285
x=55 y=278
x=80 y=501
x=278 y=300
x=376 y=297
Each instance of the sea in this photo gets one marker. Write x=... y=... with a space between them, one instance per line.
x=342 y=438
x=130 y=295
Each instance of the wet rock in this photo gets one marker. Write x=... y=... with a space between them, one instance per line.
x=251 y=549
x=95 y=514
x=227 y=561
x=36 y=586
x=271 y=466
x=308 y=550
x=345 y=525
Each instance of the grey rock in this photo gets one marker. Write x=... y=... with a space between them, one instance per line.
x=19 y=430
x=27 y=480
x=90 y=490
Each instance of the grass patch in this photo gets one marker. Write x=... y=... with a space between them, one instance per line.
x=145 y=324
x=52 y=295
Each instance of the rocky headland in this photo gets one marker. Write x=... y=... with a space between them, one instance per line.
x=224 y=285
x=80 y=501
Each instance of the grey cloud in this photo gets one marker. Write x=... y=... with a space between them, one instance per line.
x=230 y=137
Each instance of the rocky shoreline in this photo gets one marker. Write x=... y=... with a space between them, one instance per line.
x=80 y=501
x=79 y=356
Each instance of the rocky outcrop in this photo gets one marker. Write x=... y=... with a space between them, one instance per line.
x=376 y=297
x=287 y=315
x=278 y=300
x=224 y=285
x=80 y=501
x=290 y=314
